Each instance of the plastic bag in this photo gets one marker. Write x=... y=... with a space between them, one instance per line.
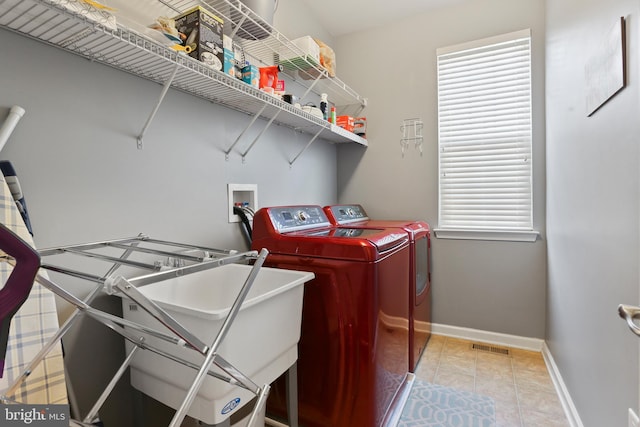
x=327 y=58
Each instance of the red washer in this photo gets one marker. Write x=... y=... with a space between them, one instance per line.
x=354 y=216
x=351 y=362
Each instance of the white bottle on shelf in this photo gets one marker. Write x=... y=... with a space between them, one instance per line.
x=323 y=106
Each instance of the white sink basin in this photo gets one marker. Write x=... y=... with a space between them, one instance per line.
x=262 y=341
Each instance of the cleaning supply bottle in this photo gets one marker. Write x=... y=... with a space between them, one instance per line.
x=333 y=115
x=323 y=106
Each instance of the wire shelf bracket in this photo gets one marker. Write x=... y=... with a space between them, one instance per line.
x=165 y=89
x=98 y=36
x=253 y=120
x=244 y=155
x=292 y=161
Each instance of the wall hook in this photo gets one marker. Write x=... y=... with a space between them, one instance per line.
x=411 y=130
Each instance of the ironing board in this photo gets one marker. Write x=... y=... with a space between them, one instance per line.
x=32 y=326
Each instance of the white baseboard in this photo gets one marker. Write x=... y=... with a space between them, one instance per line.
x=565 y=398
x=533 y=344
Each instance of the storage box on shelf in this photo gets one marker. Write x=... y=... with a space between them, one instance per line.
x=94 y=37
x=204 y=35
x=307 y=57
x=345 y=122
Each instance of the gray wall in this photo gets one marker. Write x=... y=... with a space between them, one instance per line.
x=492 y=286
x=592 y=213
x=294 y=19
x=84 y=180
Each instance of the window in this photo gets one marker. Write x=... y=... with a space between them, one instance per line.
x=484 y=137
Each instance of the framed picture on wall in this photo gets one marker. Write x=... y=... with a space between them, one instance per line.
x=605 y=70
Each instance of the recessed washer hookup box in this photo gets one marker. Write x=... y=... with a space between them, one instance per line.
x=203 y=31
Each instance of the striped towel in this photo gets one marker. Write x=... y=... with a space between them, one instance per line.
x=31 y=328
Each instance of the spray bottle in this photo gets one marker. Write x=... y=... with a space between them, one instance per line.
x=323 y=106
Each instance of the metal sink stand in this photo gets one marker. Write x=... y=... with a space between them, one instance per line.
x=110 y=283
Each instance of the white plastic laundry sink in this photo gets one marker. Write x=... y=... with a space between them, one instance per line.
x=262 y=341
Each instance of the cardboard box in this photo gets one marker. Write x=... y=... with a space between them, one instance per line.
x=360 y=126
x=229 y=60
x=345 y=122
x=251 y=75
x=233 y=58
x=203 y=30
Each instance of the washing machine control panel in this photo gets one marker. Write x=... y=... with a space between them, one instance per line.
x=294 y=218
x=345 y=214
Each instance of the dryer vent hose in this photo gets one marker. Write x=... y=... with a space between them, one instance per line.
x=245 y=224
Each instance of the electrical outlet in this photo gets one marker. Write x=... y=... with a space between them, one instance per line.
x=634 y=421
x=245 y=194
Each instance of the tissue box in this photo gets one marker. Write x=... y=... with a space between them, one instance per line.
x=292 y=59
x=345 y=122
x=251 y=75
x=204 y=34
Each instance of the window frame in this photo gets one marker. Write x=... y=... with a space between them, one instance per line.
x=486 y=232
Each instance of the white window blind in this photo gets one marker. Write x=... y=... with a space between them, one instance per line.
x=484 y=131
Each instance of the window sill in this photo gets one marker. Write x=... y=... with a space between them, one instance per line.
x=510 y=236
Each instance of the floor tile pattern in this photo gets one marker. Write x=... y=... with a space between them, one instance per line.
x=433 y=405
x=519 y=383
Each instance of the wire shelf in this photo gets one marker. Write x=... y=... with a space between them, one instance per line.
x=95 y=35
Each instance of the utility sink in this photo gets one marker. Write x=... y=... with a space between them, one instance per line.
x=262 y=341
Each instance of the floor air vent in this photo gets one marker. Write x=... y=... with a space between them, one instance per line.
x=490 y=349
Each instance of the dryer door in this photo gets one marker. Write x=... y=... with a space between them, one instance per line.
x=422 y=268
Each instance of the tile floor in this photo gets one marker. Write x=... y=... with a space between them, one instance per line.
x=519 y=383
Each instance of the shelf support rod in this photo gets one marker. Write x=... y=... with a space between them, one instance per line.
x=165 y=89
x=362 y=106
x=312 y=85
x=260 y=134
x=239 y=24
x=255 y=117
x=292 y=161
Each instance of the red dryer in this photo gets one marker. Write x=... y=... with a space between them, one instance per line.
x=351 y=363
x=354 y=216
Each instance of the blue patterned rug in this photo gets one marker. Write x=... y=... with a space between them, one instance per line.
x=432 y=405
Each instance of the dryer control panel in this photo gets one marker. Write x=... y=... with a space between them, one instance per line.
x=344 y=214
x=294 y=218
